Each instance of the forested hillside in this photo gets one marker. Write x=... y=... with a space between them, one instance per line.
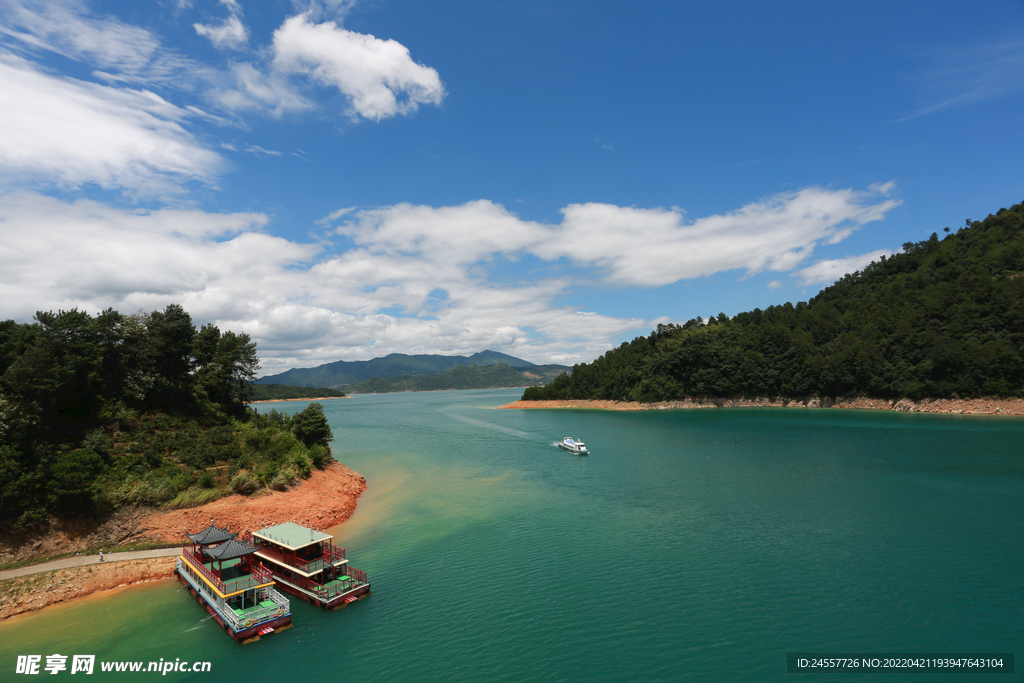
x=942 y=319
x=284 y=392
x=342 y=374
x=462 y=377
x=97 y=413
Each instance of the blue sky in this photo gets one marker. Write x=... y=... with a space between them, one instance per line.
x=343 y=179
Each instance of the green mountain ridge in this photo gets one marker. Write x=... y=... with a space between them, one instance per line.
x=283 y=392
x=942 y=319
x=341 y=374
x=462 y=377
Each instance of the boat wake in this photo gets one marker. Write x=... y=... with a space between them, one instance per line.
x=200 y=624
x=493 y=427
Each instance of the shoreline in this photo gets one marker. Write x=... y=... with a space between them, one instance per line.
x=281 y=400
x=326 y=499
x=949 y=406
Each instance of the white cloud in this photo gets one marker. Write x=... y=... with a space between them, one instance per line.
x=774 y=284
x=230 y=33
x=72 y=133
x=972 y=74
x=246 y=88
x=320 y=10
x=378 y=76
x=827 y=272
x=419 y=279
x=634 y=247
x=301 y=307
x=64 y=27
x=457 y=234
x=653 y=247
x=119 y=51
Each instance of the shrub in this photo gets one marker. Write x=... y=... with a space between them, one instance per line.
x=244 y=482
x=302 y=465
x=318 y=456
x=286 y=476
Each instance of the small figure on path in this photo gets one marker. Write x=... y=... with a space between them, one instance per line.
x=101 y=554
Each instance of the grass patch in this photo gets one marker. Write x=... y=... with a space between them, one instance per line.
x=195 y=496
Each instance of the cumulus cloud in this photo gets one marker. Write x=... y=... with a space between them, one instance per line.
x=230 y=33
x=71 y=133
x=378 y=76
x=653 y=247
x=828 y=271
x=631 y=246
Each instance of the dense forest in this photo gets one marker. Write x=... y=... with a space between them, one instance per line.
x=942 y=319
x=99 y=413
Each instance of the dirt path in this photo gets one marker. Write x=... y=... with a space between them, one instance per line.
x=83 y=560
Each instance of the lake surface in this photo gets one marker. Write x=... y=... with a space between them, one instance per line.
x=690 y=545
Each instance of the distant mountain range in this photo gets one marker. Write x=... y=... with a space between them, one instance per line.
x=400 y=366
x=463 y=377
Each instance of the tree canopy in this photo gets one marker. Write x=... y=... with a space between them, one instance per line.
x=69 y=378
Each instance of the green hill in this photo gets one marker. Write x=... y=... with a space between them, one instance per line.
x=112 y=411
x=942 y=319
x=461 y=377
x=282 y=392
x=340 y=374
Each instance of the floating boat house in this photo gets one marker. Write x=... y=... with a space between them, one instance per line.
x=307 y=564
x=220 y=572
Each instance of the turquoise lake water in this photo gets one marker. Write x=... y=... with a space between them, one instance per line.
x=694 y=545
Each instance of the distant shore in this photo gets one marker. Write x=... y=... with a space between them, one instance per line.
x=951 y=406
x=278 y=400
x=326 y=499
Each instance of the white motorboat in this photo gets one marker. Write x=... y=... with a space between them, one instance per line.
x=573 y=446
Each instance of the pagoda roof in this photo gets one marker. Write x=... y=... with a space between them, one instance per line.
x=211 y=535
x=230 y=550
x=291 y=536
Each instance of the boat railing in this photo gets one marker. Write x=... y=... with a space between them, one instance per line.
x=259 y=575
x=330 y=592
x=250 y=618
x=357 y=575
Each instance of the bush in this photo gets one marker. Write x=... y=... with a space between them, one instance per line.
x=244 y=482
x=319 y=456
x=286 y=476
x=256 y=442
x=302 y=465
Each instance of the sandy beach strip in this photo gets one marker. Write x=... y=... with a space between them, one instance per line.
x=952 y=406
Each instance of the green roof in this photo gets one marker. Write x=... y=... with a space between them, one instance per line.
x=291 y=536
